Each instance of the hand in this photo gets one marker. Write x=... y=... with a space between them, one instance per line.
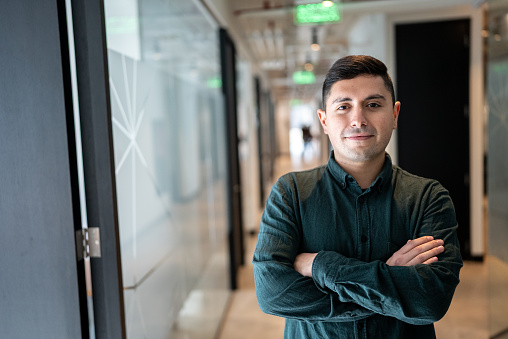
x=303 y=264
x=423 y=250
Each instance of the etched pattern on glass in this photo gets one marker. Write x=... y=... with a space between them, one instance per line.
x=169 y=146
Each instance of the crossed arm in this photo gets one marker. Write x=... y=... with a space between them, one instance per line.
x=423 y=250
x=346 y=289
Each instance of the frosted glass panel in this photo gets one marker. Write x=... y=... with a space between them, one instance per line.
x=497 y=168
x=168 y=133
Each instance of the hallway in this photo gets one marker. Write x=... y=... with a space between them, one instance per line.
x=467 y=317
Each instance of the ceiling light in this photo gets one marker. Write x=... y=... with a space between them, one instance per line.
x=327 y=3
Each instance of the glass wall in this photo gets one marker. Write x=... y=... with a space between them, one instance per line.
x=497 y=175
x=168 y=132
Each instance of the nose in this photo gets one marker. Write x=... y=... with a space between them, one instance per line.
x=358 y=118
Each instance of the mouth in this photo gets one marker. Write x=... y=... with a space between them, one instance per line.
x=359 y=137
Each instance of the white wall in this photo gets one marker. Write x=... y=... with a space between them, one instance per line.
x=248 y=148
x=282 y=124
x=368 y=37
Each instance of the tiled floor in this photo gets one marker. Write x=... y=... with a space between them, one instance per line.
x=467 y=318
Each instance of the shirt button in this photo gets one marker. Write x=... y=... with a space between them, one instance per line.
x=359 y=326
x=350 y=179
x=364 y=238
x=361 y=200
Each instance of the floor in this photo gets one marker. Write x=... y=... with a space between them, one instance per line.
x=467 y=318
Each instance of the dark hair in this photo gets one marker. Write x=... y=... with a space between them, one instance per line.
x=350 y=67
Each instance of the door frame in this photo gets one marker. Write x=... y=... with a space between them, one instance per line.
x=98 y=164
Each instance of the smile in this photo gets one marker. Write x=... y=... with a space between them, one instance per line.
x=359 y=137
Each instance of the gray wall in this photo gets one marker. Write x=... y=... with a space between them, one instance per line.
x=39 y=288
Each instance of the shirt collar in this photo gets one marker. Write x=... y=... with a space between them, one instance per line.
x=382 y=180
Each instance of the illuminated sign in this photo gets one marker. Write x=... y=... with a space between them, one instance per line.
x=316 y=13
x=304 y=77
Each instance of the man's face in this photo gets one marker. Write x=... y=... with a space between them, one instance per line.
x=359 y=119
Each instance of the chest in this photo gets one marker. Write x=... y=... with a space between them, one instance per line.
x=365 y=226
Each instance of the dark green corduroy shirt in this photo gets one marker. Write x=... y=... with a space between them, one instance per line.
x=353 y=292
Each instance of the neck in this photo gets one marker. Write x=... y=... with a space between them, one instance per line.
x=364 y=172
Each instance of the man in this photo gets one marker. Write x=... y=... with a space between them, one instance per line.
x=357 y=248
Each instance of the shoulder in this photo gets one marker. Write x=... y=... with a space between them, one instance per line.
x=301 y=179
x=298 y=184
x=413 y=184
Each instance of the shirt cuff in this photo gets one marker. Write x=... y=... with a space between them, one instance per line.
x=326 y=268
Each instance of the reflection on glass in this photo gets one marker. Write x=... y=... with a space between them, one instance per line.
x=168 y=132
x=497 y=93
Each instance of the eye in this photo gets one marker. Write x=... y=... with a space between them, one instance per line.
x=373 y=105
x=342 y=107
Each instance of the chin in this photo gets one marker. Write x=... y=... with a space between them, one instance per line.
x=363 y=155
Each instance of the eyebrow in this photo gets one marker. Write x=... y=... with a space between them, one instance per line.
x=370 y=97
x=375 y=96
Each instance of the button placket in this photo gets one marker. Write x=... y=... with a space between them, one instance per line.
x=361 y=330
x=363 y=228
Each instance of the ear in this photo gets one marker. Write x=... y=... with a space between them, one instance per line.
x=322 y=119
x=396 y=111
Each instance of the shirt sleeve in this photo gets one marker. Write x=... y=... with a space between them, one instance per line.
x=280 y=289
x=419 y=294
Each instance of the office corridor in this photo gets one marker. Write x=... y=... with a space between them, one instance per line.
x=467 y=318
x=139 y=139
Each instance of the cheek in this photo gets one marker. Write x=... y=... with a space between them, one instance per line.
x=335 y=129
x=387 y=123
x=387 y=130
x=338 y=122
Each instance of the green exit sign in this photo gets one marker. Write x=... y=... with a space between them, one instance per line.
x=316 y=13
x=304 y=77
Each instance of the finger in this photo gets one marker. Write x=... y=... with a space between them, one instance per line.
x=430 y=261
x=425 y=247
x=423 y=257
x=416 y=242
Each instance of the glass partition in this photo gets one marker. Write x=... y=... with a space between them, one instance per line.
x=169 y=146
x=497 y=175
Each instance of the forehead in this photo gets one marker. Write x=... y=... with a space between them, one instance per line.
x=358 y=88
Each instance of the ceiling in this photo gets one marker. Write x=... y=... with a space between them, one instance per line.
x=280 y=47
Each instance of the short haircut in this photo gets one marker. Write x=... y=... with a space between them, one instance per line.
x=350 y=67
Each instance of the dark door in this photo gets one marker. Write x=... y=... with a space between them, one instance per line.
x=236 y=239
x=262 y=176
x=433 y=86
x=40 y=290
